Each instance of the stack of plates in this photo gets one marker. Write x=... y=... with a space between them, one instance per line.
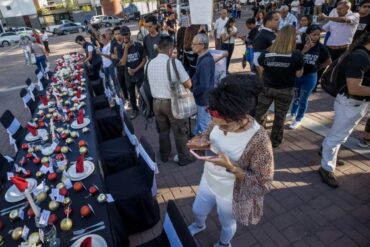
x=88 y=170
x=75 y=125
x=14 y=195
x=96 y=241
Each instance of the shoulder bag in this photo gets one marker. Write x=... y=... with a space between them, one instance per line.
x=182 y=99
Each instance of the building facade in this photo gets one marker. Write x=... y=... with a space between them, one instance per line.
x=19 y=13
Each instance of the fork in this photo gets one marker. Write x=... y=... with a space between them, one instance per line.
x=82 y=231
x=89 y=232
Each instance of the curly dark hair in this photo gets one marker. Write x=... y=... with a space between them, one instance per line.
x=236 y=96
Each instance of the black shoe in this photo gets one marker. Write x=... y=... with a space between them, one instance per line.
x=328 y=178
x=134 y=114
x=165 y=158
x=186 y=161
x=340 y=162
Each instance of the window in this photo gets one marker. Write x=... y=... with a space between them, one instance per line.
x=8 y=7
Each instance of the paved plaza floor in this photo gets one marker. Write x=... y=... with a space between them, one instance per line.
x=299 y=211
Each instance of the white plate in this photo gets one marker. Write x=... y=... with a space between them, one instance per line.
x=96 y=241
x=88 y=170
x=14 y=195
x=74 y=124
x=83 y=96
x=30 y=138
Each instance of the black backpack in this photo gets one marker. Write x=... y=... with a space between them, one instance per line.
x=146 y=106
x=329 y=79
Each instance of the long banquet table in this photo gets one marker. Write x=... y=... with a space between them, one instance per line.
x=101 y=210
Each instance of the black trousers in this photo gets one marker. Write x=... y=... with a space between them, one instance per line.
x=336 y=53
x=131 y=87
x=122 y=81
x=46 y=45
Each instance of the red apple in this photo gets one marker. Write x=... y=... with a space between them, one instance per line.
x=64 y=135
x=36 y=160
x=41 y=124
x=85 y=211
x=93 y=190
x=63 y=191
x=29 y=156
x=53 y=219
x=60 y=157
x=58 y=149
x=24 y=146
x=1 y=225
x=82 y=143
x=77 y=186
x=52 y=176
x=30 y=213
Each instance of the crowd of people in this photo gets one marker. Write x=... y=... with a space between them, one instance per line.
x=288 y=61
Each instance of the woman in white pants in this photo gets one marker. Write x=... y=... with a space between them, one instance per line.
x=237 y=176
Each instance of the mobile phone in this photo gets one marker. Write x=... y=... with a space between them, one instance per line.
x=202 y=155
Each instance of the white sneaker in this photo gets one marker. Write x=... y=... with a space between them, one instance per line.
x=219 y=245
x=194 y=229
x=176 y=158
x=290 y=117
x=295 y=124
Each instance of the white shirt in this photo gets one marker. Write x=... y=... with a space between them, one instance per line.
x=219 y=26
x=295 y=5
x=106 y=51
x=231 y=40
x=232 y=145
x=158 y=79
x=44 y=37
x=290 y=19
x=341 y=33
x=319 y=2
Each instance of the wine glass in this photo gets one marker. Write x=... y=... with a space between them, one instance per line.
x=50 y=236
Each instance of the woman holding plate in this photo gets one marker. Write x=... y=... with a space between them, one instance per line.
x=239 y=172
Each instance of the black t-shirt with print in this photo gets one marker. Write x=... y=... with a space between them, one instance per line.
x=279 y=69
x=134 y=58
x=356 y=65
x=363 y=26
x=314 y=57
x=263 y=40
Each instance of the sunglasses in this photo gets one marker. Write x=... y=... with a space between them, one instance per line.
x=214 y=113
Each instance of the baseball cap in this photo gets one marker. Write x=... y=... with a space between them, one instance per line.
x=125 y=30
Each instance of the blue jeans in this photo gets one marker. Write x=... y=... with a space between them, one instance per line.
x=110 y=76
x=203 y=119
x=302 y=90
x=41 y=62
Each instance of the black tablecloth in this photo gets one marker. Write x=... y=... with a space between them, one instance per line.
x=79 y=199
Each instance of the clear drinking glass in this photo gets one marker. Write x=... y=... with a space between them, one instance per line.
x=50 y=236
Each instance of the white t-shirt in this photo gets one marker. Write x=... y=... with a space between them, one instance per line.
x=341 y=33
x=220 y=181
x=219 y=26
x=231 y=40
x=106 y=51
x=44 y=37
x=319 y=2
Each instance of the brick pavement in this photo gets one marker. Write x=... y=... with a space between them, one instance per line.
x=299 y=211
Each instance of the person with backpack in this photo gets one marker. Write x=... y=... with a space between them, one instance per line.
x=134 y=61
x=315 y=56
x=352 y=103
